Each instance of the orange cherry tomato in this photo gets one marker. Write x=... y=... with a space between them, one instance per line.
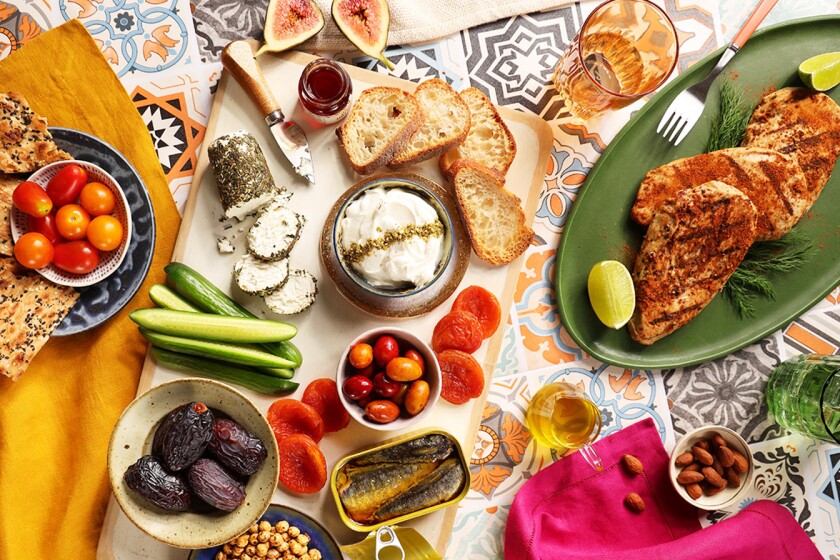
x=97 y=199
x=382 y=411
x=105 y=233
x=72 y=221
x=34 y=250
x=361 y=355
x=403 y=369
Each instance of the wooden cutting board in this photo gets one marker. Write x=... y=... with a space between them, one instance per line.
x=332 y=322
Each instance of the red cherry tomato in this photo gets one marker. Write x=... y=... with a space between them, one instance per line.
x=385 y=387
x=385 y=349
x=30 y=198
x=67 y=184
x=72 y=221
x=105 y=233
x=366 y=371
x=34 y=250
x=45 y=225
x=357 y=387
x=97 y=199
x=78 y=257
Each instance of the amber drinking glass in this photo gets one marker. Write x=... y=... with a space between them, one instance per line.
x=625 y=50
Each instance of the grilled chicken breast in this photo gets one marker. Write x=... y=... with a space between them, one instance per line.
x=801 y=123
x=774 y=182
x=693 y=245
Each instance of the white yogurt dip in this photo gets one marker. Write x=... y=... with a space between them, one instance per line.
x=392 y=237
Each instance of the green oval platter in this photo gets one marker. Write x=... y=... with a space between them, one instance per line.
x=599 y=226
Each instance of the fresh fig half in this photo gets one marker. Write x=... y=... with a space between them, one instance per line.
x=365 y=23
x=289 y=23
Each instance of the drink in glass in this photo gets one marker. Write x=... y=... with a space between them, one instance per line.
x=625 y=50
x=562 y=418
x=803 y=395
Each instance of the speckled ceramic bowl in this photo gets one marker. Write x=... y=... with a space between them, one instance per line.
x=132 y=438
x=405 y=340
x=404 y=302
x=729 y=496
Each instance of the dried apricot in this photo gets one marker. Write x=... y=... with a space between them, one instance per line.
x=303 y=468
x=462 y=378
x=322 y=395
x=457 y=330
x=483 y=305
x=288 y=417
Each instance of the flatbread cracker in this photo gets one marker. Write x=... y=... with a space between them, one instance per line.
x=8 y=183
x=25 y=142
x=30 y=310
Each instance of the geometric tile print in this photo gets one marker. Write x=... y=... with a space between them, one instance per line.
x=16 y=29
x=415 y=63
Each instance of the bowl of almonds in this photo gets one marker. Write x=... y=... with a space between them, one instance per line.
x=711 y=467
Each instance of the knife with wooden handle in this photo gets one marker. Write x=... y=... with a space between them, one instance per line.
x=238 y=59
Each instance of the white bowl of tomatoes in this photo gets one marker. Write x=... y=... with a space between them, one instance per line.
x=388 y=379
x=71 y=223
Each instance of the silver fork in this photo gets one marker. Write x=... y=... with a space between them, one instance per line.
x=685 y=110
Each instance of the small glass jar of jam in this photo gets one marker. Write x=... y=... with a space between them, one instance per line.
x=324 y=90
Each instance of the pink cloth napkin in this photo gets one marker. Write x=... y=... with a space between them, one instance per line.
x=569 y=511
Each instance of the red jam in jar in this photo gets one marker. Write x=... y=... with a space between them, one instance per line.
x=324 y=90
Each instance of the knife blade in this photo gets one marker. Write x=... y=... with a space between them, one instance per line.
x=238 y=59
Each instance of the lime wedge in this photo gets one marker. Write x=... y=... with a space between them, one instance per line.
x=611 y=293
x=821 y=72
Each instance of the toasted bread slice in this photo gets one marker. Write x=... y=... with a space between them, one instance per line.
x=25 y=143
x=379 y=126
x=446 y=125
x=489 y=141
x=492 y=214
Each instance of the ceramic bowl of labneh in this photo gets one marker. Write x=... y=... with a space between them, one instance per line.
x=394 y=246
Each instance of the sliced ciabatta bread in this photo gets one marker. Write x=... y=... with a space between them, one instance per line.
x=447 y=120
x=379 y=125
x=492 y=214
x=489 y=141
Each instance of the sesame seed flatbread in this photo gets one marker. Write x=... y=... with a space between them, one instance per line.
x=8 y=183
x=25 y=143
x=30 y=310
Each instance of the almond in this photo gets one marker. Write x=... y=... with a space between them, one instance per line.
x=713 y=478
x=702 y=455
x=684 y=459
x=703 y=444
x=726 y=456
x=634 y=502
x=712 y=490
x=689 y=477
x=695 y=466
x=694 y=490
x=717 y=466
x=718 y=441
x=633 y=465
x=733 y=478
x=740 y=463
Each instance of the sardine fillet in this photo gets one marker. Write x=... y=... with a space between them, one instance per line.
x=802 y=123
x=692 y=247
x=443 y=484
x=774 y=182
x=363 y=490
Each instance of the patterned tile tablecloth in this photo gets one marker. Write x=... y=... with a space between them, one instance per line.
x=166 y=54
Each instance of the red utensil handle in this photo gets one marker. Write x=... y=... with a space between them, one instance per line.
x=753 y=22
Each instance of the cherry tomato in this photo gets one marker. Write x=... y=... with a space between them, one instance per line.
x=403 y=369
x=97 y=199
x=361 y=356
x=415 y=355
x=45 y=225
x=385 y=349
x=399 y=398
x=384 y=386
x=366 y=371
x=72 y=221
x=105 y=233
x=34 y=250
x=357 y=387
x=78 y=257
x=67 y=184
x=30 y=198
x=382 y=411
x=417 y=397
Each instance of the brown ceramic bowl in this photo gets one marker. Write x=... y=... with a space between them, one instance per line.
x=407 y=302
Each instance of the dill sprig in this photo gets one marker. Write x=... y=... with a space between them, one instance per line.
x=730 y=125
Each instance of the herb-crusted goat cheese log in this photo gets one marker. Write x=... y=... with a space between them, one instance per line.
x=242 y=174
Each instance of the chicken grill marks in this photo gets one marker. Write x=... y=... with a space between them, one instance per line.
x=694 y=244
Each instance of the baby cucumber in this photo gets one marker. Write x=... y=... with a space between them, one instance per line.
x=202 y=293
x=249 y=379
x=163 y=296
x=242 y=355
x=206 y=326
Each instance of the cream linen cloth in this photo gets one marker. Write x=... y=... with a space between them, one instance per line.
x=419 y=21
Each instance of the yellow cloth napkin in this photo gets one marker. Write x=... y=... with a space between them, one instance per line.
x=55 y=422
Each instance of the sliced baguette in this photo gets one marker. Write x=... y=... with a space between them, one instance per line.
x=492 y=214
x=489 y=141
x=379 y=126
x=446 y=125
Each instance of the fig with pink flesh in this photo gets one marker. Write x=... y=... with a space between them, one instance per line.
x=289 y=23
x=365 y=23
